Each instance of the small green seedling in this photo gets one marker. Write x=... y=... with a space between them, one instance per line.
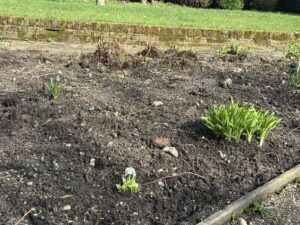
x=54 y=88
x=237 y=120
x=296 y=78
x=129 y=184
x=233 y=49
x=233 y=217
x=293 y=50
x=259 y=209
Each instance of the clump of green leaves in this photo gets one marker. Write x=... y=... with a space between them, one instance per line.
x=233 y=49
x=226 y=121
x=54 y=87
x=296 y=78
x=259 y=209
x=267 y=122
x=129 y=184
x=236 y=120
x=293 y=50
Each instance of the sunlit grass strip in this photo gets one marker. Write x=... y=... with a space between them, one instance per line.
x=147 y=14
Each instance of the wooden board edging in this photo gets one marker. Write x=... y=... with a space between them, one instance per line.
x=238 y=206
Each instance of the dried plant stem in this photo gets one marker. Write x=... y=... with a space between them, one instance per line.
x=20 y=220
x=175 y=175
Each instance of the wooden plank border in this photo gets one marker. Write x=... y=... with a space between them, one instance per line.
x=238 y=206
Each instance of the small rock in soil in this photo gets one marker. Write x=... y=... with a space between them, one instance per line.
x=148 y=81
x=160 y=183
x=222 y=155
x=160 y=170
x=242 y=221
x=173 y=151
x=66 y=208
x=157 y=103
x=161 y=142
x=110 y=144
x=92 y=162
x=227 y=83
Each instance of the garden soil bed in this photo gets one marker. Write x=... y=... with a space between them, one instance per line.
x=105 y=113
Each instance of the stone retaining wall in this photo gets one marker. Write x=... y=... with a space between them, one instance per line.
x=18 y=28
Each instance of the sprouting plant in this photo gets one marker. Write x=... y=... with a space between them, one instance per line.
x=293 y=50
x=259 y=209
x=296 y=78
x=54 y=88
x=267 y=122
x=226 y=121
x=252 y=123
x=236 y=120
x=233 y=49
x=129 y=184
x=233 y=217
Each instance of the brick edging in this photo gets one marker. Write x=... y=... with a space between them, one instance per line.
x=23 y=28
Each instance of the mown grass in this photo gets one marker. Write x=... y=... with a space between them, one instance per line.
x=156 y=14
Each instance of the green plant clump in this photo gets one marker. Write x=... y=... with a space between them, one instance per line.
x=54 y=88
x=266 y=5
x=129 y=184
x=236 y=120
x=206 y=3
x=296 y=78
x=233 y=49
x=266 y=122
x=293 y=50
x=231 y=4
x=259 y=209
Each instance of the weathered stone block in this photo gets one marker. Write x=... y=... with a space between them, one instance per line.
x=261 y=38
x=277 y=36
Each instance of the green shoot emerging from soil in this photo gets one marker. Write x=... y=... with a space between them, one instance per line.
x=267 y=122
x=54 y=88
x=235 y=120
x=293 y=50
x=226 y=121
x=259 y=209
x=296 y=78
x=129 y=184
x=233 y=49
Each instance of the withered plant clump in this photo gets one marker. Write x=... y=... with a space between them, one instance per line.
x=110 y=54
x=150 y=51
x=180 y=59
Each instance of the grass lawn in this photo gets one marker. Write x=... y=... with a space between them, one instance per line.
x=157 y=14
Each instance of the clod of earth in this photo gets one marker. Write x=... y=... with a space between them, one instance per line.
x=161 y=142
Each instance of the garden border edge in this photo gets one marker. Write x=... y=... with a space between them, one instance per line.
x=34 y=29
x=261 y=193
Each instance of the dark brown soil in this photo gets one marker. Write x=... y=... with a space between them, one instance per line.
x=46 y=145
